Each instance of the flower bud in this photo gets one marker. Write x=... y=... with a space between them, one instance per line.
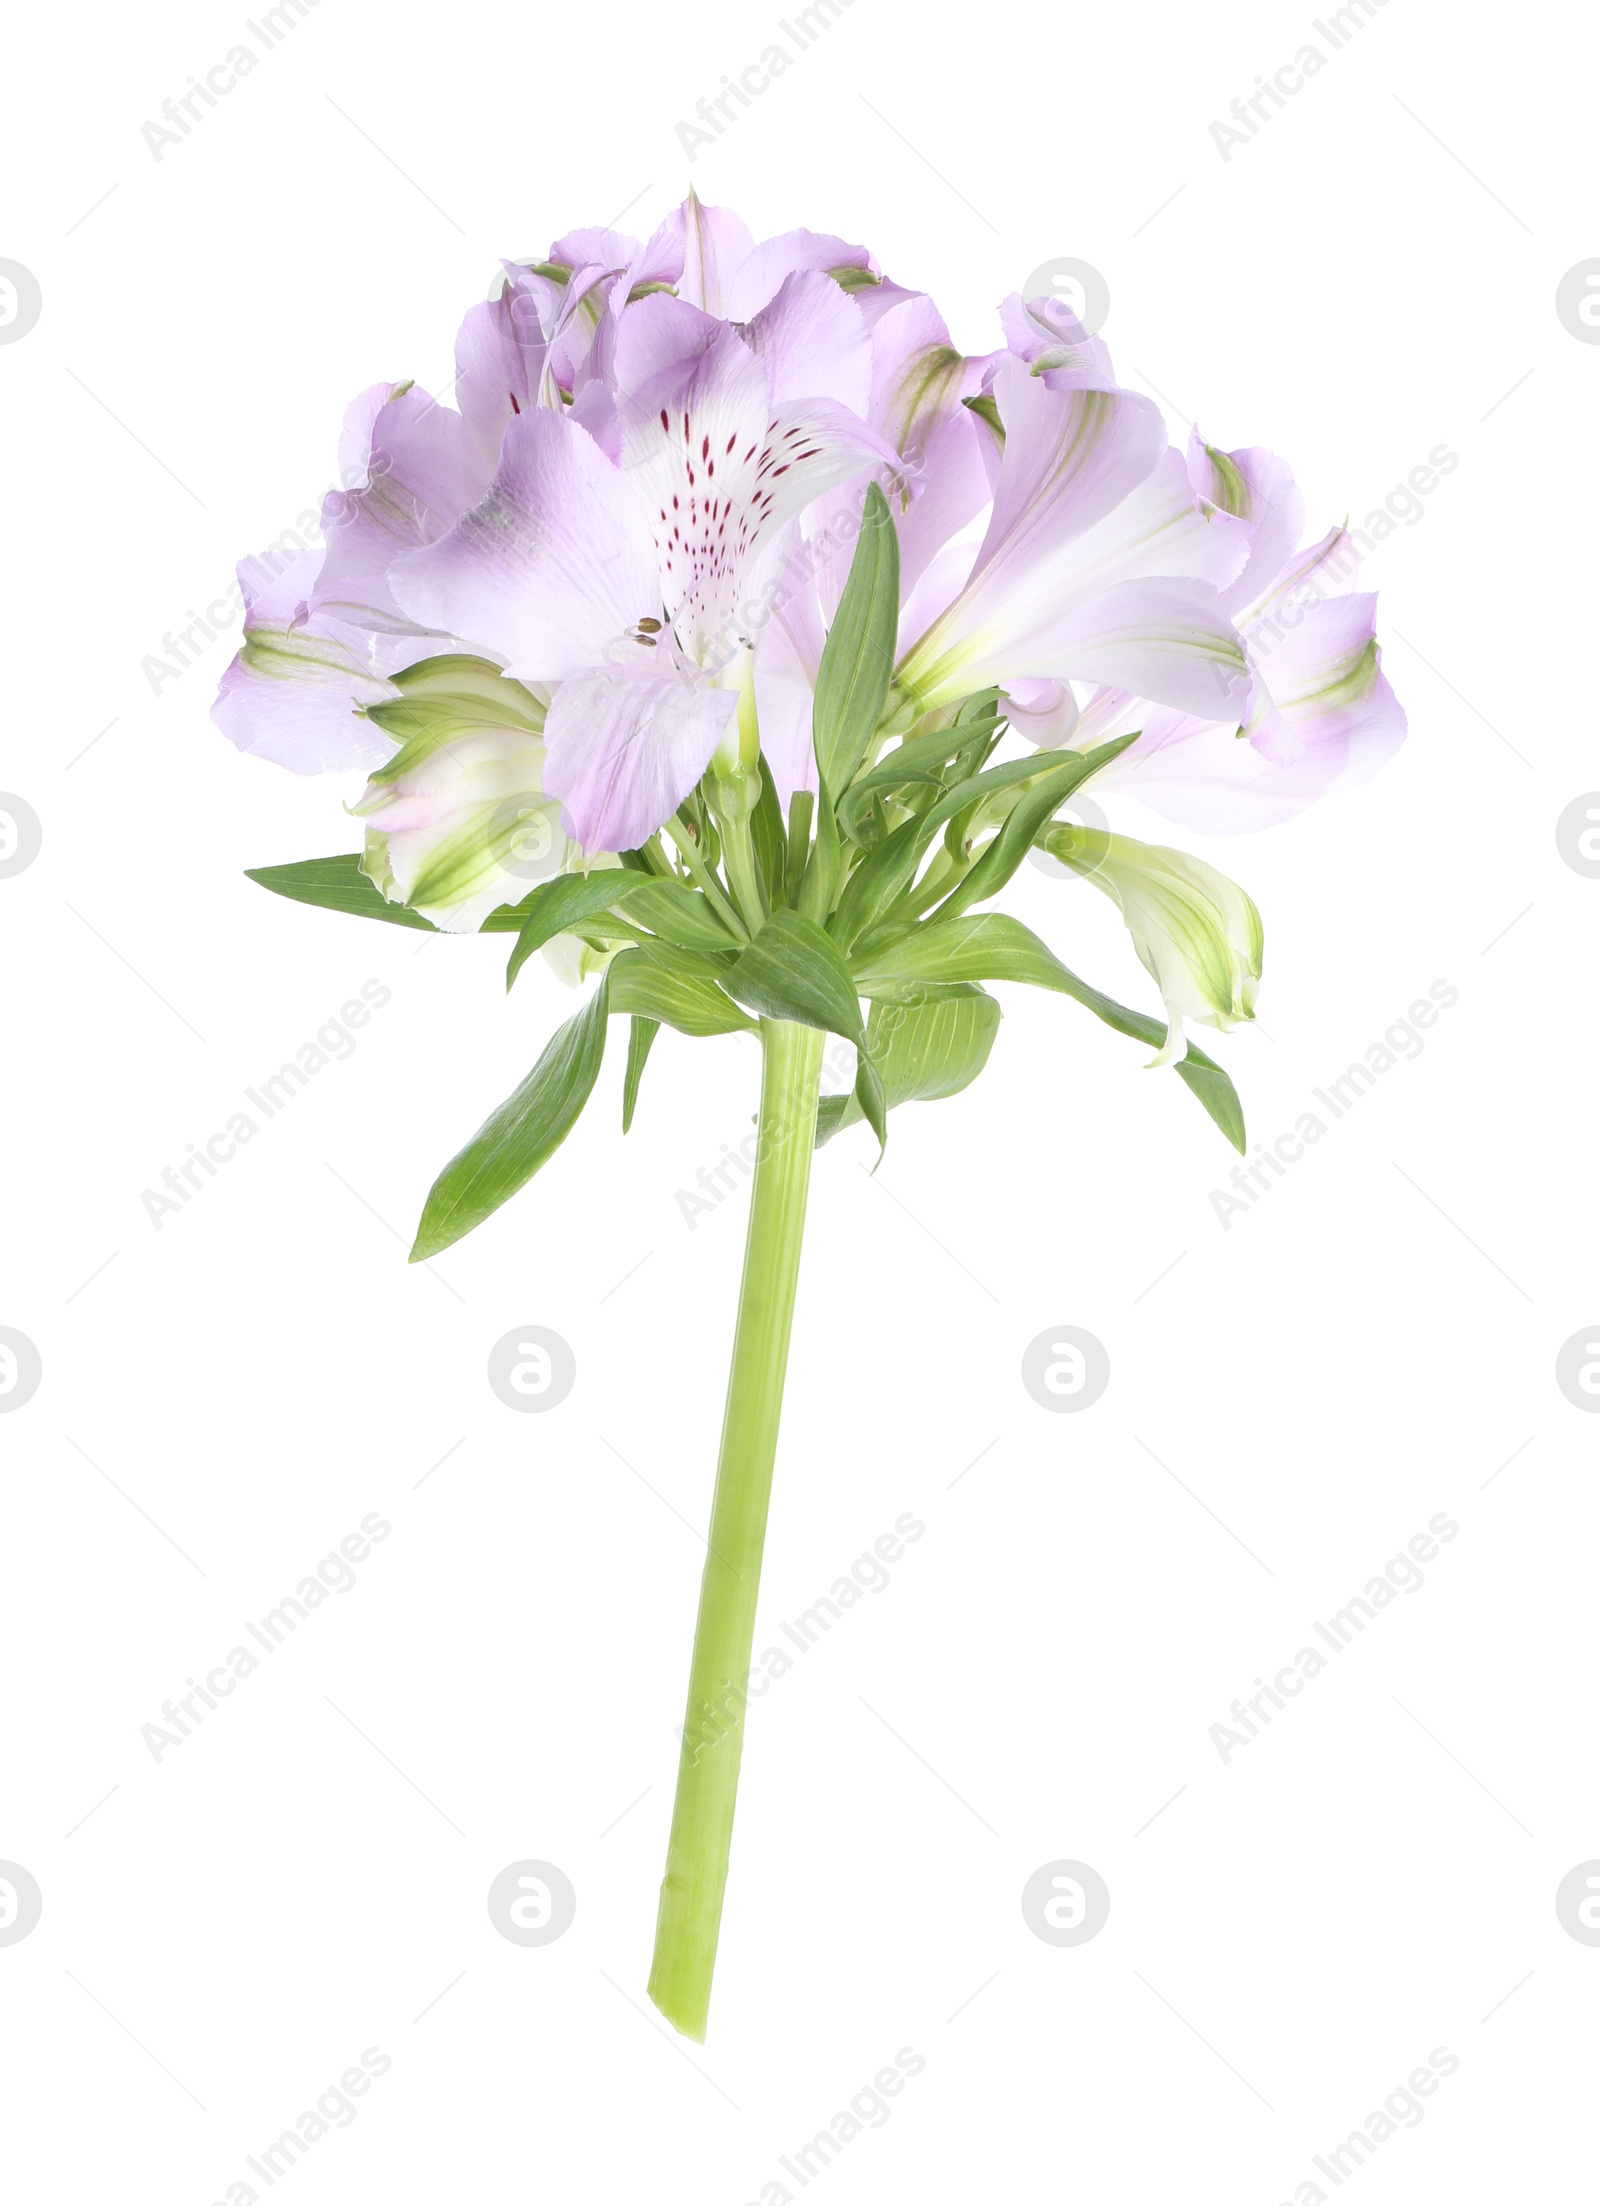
x=459 y=823
x=1197 y=933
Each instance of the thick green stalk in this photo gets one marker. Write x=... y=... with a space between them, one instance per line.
x=690 y=1914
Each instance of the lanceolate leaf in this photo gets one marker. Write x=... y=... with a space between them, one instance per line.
x=678 y=912
x=641 y=1034
x=793 y=971
x=911 y=764
x=993 y=946
x=1006 y=852
x=882 y=878
x=657 y=980
x=337 y=885
x=858 y=657
x=922 y=1052
x=522 y=1134
x=554 y=905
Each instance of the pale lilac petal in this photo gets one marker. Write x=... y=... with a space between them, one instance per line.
x=720 y=466
x=1044 y=712
x=1070 y=458
x=622 y=752
x=293 y=694
x=813 y=343
x=1260 y=491
x=550 y=569
x=1048 y=336
x=595 y=249
x=785 y=687
x=762 y=273
x=716 y=246
x=423 y=471
x=1166 y=640
x=500 y=354
x=919 y=385
x=1322 y=683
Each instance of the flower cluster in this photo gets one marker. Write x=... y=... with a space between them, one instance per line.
x=610 y=567
x=683 y=646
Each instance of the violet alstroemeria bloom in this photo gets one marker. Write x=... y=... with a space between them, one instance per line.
x=1320 y=710
x=1099 y=563
x=620 y=565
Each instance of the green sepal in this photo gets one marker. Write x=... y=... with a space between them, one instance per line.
x=524 y=1133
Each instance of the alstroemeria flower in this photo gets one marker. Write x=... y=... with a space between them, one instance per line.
x=1320 y=710
x=1099 y=563
x=621 y=566
x=1197 y=933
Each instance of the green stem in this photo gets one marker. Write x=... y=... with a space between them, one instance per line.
x=690 y=1914
x=707 y=880
x=739 y=855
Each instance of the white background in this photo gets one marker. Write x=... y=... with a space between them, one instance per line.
x=1294 y=1398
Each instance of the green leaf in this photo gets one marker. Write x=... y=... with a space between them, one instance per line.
x=337 y=885
x=879 y=882
x=679 y=988
x=769 y=838
x=922 y=1052
x=913 y=764
x=993 y=946
x=1001 y=858
x=641 y=1034
x=792 y=971
x=858 y=657
x=524 y=1133
x=554 y=905
x=678 y=912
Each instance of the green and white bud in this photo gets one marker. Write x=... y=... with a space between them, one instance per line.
x=1197 y=933
x=458 y=821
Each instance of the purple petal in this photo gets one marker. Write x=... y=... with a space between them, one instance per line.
x=622 y=752
x=553 y=566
